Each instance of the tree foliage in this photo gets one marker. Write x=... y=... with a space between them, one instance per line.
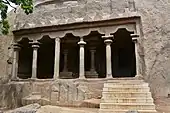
x=26 y=5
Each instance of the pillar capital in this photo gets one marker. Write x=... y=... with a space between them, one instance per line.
x=108 y=37
x=57 y=39
x=108 y=41
x=65 y=51
x=135 y=40
x=82 y=42
x=134 y=35
x=92 y=50
x=35 y=44
x=16 y=46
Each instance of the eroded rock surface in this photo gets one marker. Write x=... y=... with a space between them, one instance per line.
x=26 y=109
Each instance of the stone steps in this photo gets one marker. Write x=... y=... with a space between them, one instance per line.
x=126 y=94
x=130 y=106
x=125 y=82
x=128 y=100
x=122 y=95
x=126 y=85
x=124 y=111
x=109 y=89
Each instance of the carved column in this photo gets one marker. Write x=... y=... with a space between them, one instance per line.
x=65 y=73
x=137 y=56
x=92 y=51
x=108 y=42
x=81 y=60
x=65 y=60
x=35 y=46
x=92 y=73
x=57 y=59
x=16 y=48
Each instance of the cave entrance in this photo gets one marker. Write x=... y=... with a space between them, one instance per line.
x=123 y=54
x=46 y=58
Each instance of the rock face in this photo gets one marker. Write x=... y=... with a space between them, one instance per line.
x=51 y=12
x=12 y=93
x=6 y=52
x=156 y=44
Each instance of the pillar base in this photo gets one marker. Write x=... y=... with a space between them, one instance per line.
x=109 y=76
x=82 y=78
x=33 y=79
x=139 y=77
x=91 y=74
x=66 y=75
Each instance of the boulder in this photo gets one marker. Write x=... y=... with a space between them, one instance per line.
x=32 y=108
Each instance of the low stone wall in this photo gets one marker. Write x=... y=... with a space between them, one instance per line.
x=45 y=92
x=11 y=94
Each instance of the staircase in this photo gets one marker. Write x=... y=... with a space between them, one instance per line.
x=122 y=95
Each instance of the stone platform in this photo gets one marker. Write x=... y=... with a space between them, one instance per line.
x=122 y=95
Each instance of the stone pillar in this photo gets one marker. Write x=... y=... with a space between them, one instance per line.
x=65 y=69
x=57 y=59
x=81 y=60
x=92 y=73
x=35 y=46
x=92 y=51
x=65 y=73
x=137 y=56
x=16 y=48
x=108 y=57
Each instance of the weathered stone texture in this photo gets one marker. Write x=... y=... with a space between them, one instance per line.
x=156 y=42
x=63 y=12
x=4 y=56
x=6 y=52
x=33 y=108
x=11 y=94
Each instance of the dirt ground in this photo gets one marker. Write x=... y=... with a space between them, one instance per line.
x=162 y=105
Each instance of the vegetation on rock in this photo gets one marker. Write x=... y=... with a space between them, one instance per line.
x=26 y=5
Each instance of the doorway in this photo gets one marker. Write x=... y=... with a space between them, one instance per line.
x=123 y=55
